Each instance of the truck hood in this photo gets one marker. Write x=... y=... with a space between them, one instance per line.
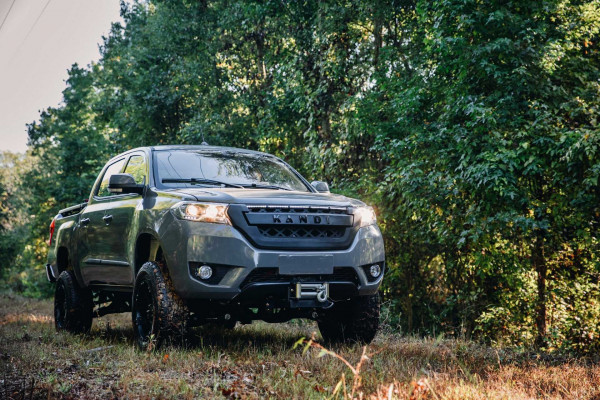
x=267 y=197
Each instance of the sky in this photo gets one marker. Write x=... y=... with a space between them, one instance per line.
x=39 y=41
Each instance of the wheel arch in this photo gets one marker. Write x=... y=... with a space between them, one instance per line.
x=62 y=260
x=147 y=248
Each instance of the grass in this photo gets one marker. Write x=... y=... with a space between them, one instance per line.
x=261 y=361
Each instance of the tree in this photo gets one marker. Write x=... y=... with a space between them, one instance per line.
x=472 y=126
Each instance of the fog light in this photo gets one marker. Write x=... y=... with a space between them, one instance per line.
x=375 y=270
x=204 y=272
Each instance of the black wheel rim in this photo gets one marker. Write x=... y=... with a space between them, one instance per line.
x=144 y=313
x=60 y=307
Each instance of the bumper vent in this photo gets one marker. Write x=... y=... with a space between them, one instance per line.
x=219 y=271
x=271 y=275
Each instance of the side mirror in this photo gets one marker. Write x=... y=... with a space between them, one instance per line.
x=322 y=187
x=124 y=183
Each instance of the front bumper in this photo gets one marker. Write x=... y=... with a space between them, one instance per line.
x=223 y=245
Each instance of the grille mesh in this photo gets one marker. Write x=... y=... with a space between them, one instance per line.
x=301 y=232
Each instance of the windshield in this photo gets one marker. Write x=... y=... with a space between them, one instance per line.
x=188 y=168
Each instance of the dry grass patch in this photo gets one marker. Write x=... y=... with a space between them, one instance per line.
x=259 y=361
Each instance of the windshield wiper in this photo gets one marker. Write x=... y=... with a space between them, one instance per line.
x=201 y=181
x=259 y=186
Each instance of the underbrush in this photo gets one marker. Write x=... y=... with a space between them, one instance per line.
x=268 y=361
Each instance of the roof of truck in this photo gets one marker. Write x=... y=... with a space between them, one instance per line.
x=202 y=147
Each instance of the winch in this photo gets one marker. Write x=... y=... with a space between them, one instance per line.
x=318 y=291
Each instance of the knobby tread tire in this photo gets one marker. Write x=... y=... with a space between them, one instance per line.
x=73 y=305
x=356 y=320
x=170 y=315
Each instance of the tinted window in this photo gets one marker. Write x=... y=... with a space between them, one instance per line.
x=244 y=169
x=136 y=166
x=114 y=168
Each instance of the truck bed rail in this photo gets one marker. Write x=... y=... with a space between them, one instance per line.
x=67 y=212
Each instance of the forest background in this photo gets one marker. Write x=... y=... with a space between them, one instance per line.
x=470 y=125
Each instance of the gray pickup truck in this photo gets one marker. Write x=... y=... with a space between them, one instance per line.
x=185 y=235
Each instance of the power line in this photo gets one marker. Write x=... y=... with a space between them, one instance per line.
x=35 y=23
x=6 y=16
x=30 y=30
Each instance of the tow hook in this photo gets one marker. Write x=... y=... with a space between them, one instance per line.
x=322 y=294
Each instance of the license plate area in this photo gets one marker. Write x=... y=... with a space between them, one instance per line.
x=306 y=264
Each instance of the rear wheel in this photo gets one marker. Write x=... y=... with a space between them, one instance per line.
x=73 y=305
x=356 y=320
x=158 y=314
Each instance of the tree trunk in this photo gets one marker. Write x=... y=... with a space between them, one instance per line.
x=409 y=299
x=541 y=268
x=377 y=40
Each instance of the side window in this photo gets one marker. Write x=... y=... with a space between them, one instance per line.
x=114 y=168
x=137 y=167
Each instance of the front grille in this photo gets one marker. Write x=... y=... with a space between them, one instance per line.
x=301 y=232
x=295 y=227
x=299 y=221
x=271 y=275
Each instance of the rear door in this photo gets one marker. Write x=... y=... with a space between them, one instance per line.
x=93 y=244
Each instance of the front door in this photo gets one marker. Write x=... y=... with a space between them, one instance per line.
x=123 y=229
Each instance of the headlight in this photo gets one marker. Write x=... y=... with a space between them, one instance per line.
x=367 y=216
x=203 y=212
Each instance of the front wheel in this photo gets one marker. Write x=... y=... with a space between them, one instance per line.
x=356 y=320
x=158 y=314
x=73 y=305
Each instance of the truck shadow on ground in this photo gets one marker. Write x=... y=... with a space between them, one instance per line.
x=258 y=336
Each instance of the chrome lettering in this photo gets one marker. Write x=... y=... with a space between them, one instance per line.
x=276 y=218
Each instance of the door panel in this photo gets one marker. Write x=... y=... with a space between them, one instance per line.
x=92 y=232
x=90 y=244
x=123 y=228
x=120 y=236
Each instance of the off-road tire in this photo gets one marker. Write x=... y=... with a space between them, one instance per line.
x=158 y=314
x=73 y=305
x=356 y=320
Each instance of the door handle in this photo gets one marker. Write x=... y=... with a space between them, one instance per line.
x=107 y=219
x=84 y=221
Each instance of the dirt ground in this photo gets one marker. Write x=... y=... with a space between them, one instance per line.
x=261 y=361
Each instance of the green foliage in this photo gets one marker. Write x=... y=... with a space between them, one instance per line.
x=23 y=256
x=470 y=125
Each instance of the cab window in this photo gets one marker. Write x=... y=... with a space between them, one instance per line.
x=112 y=169
x=136 y=166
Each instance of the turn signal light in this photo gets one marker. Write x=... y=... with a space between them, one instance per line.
x=52 y=225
